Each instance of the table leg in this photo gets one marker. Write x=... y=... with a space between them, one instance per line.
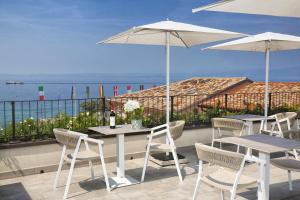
x=249 y=127
x=120 y=156
x=249 y=130
x=264 y=176
x=121 y=179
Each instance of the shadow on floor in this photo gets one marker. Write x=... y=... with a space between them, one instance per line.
x=278 y=191
x=93 y=184
x=15 y=191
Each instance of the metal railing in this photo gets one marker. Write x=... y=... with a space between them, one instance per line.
x=33 y=119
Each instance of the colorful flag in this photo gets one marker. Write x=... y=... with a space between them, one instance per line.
x=115 y=90
x=101 y=91
x=41 y=93
x=129 y=89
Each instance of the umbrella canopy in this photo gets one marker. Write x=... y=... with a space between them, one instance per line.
x=181 y=35
x=283 y=8
x=170 y=33
x=278 y=42
x=264 y=42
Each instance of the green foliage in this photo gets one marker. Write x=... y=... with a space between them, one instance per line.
x=32 y=129
x=136 y=114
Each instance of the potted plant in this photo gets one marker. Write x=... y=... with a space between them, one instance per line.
x=135 y=113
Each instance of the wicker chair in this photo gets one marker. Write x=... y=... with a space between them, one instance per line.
x=234 y=126
x=283 y=124
x=229 y=175
x=72 y=140
x=170 y=131
x=288 y=164
x=298 y=119
x=282 y=127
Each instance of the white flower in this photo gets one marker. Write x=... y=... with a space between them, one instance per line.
x=87 y=113
x=131 y=105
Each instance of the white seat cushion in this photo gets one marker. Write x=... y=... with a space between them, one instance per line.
x=84 y=155
x=224 y=179
x=287 y=164
x=160 y=147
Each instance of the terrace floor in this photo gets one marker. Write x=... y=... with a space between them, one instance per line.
x=160 y=183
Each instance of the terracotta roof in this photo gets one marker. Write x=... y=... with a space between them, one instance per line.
x=282 y=93
x=193 y=86
x=188 y=92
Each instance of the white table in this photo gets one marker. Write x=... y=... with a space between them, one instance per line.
x=249 y=119
x=265 y=145
x=121 y=179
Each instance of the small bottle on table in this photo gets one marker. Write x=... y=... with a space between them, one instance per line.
x=112 y=119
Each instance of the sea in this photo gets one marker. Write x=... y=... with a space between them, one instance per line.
x=60 y=86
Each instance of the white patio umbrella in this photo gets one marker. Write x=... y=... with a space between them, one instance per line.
x=265 y=42
x=170 y=33
x=283 y=8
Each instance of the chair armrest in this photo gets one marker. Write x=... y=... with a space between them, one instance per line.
x=157 y=134
x=92 y=140
x=159 y=127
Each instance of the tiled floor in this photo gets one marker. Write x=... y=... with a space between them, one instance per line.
x=160 y=183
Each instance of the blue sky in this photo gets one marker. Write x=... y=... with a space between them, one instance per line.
x=59 y=36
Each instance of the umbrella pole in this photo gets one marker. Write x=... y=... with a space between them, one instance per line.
x=168 y=77
x=267 y=82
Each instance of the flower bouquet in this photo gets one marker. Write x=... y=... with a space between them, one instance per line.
x=134 y=113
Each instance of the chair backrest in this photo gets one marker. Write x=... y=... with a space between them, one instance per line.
x=176 y=128
x=67 y=137
x=227 y=159
x=282 y=120
x=233 y=125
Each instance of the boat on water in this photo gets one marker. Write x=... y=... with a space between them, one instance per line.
x=14 y=82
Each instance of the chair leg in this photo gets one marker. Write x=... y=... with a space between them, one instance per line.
x=69 y=177
x=238 y=149
x=176 y=163
x=61 y=162
x=72 y=168
x=295 y=153
x=145 y=162
x=222 y=195
x=104 y=168
x=92 y=169
x=232 y=197
x=212 y=142
x=290 y=180
x=197 y=184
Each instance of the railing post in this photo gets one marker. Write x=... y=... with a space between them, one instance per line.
x=13 y=119
x=270 y=100
x=172 y=108
x=103 y=110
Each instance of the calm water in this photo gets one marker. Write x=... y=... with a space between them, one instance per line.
x=59 y=86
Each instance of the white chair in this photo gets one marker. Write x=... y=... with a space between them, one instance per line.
x=233 y=126
x=298 y=119
x=282 y=127
x=157 y=132
x=73 y=140
x=228 y=176
x=283 y=123
x=288 y=164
